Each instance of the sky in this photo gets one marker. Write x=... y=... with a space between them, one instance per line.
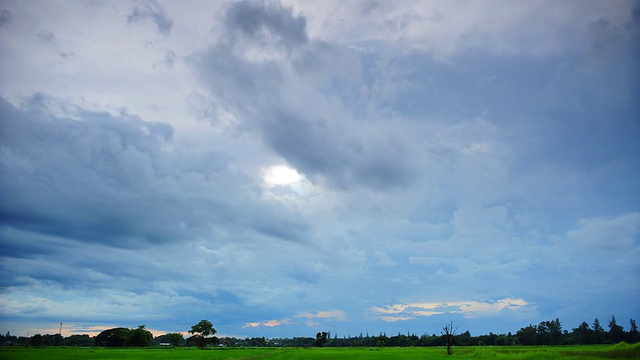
x=284 y=168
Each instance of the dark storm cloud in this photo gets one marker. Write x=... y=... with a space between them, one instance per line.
x=5 y=17
x=156 y=13
x=105 y=179
x=252 y=18
x=262 y=91
x=88 y=179
x=81 y=178
x=323 y=147
x=238 y=82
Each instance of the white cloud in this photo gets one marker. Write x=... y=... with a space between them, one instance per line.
x=313 y=319
x=390 y=309
x=268 y=323
x=332 y=315
x=470 y=309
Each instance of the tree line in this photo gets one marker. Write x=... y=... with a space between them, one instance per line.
x=203 y=334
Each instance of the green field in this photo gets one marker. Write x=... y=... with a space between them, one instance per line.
x=620 y=351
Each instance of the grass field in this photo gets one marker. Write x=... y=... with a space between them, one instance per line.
x=620 y=351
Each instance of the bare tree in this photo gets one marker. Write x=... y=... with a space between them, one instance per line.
x=449 y=332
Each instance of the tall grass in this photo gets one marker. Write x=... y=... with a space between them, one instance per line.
x=595 y=352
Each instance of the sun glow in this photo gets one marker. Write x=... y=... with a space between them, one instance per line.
x=281 y=175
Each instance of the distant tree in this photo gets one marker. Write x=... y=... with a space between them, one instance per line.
x=616 y=332
x=503 y=340
x=37 y=340
x=598 y=331
x=78 y=340
x=141 y=337
x=448 y=332
x=583 y=334
x=382 y=340
x=543 y=334
x=549 y=332
x=115 y=337
x=321 y=339
x=202 y=334
x=464 y=339
x=400 y=340
x=633 y=336
x=527 y=335
x=57 y=339
x=175 y=339
x=52 y=340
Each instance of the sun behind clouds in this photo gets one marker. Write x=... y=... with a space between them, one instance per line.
x=280 y=175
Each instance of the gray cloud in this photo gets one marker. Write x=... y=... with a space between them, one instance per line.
x=5 y=17
x=609 y=36
x=84 y=189
x=262 y=22
x=327 y=148
x=110 y=174
x=152 y=10
x=325 y=144
x=71 y=167
x=237 y=82
x=496 y=174
x=324 y=138
x=46 y=36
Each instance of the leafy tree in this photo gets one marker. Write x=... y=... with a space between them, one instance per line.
x=8 y=339
x=78 y=340
x=115 y=337
x=549 y=332
x=37 y=340
x=53 y=340
x=175 y=339
x=543 y=333
x=555 y=330
x=633 y=336
x=141 y=337
x=201 y=332
x=598 y=330
x=400 y=340
x=321 y=339
x=616 y=332
x=527 y=335
x=502 y=340
x=464 y=339
x=381 y=340
x=583 y=334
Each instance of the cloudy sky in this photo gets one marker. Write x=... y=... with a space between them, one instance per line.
x=287 y=168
